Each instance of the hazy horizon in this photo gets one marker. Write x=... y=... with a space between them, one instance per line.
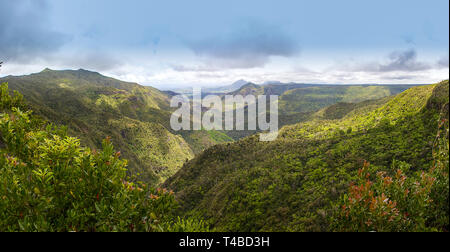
x=213 y=86
x=179 y=44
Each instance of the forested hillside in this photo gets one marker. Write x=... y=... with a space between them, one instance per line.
x=297 y=182
x=314 y=98
x=361 y=159
x=300 y=102
x=94 y=107
x=231 y=117
x=50 y=183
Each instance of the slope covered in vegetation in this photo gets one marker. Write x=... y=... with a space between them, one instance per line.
x=300 y=102
x=94 y=107
x=296 y=182
x=51 y=183
x=314 y=98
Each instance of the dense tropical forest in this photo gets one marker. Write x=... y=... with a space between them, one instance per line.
x=93 y=107
x=83 y=152
x=51 y=183
x=382 y=167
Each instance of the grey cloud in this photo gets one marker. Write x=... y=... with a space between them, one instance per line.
x=443 y=62
x=398 y=61
x=98 y=61
x=249 y=47
x=209 y=75
x=195 y=68
x=400 y=77
x=24 y=35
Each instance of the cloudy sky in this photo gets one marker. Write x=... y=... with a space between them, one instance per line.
x=182 y=43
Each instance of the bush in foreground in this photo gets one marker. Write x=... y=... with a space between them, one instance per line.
x=384 y=203
x=48 y=182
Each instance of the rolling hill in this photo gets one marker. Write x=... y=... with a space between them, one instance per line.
x=295 y=182
x=361 y=159
x=225 y=89
x=94 y=107
x=300 y=102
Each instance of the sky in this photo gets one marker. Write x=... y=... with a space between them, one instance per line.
x=172 y=44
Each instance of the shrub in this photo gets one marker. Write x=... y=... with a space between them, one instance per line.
x=400 y=203
x=48 y=182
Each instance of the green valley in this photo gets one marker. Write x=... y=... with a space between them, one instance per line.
x=233 y=124
x=300 y=102
x=293 y=183
x=332 y=137
x=94 y=107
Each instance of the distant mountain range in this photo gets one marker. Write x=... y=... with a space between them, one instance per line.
x=234 y=87
x=225 y=89
x=213 y=90
x=94 y=106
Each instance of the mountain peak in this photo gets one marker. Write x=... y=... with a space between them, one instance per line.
x=250 y=84
x=239 y=83
x=81 y=70
x=46 y=70
x=249 y=88
x=84 y=70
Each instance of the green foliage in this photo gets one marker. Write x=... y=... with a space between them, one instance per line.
x=8 y=101
x=293 y=183
x=400 y=203
x=313 y=98
x=187 y=225
x=301 y=102
x=152 y=144
x=397 y=203
x=296 y=183
x=93 y=107
x=439 y=210
x=50 y=183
